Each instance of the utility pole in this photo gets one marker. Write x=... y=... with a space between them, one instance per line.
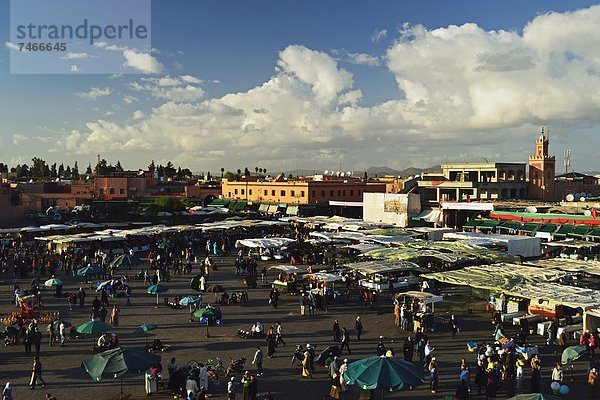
x=567 y=160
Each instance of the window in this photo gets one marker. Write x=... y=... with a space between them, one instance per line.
x=339 y=193
x=121 y=191
x=273 y=192
x=351 y=192
x=322 y=193
x=234 y=191
x=293 y=193
x=112 y=191
x=359 y=192
x=331 y=193
x=229 y=194
x=344 y=192
x=266 y=192
x=242 y=191
x=302 y=193
x=250 y=192
x=283 y=193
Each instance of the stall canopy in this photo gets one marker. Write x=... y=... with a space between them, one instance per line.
x=427 y=298
x=379 y=267
x=325 y=277
x=288 y=269
x=267 y=243
x=563 y=231
x=590 y=267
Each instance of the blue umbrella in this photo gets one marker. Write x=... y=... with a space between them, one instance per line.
x=189 y=300
x=156 y=289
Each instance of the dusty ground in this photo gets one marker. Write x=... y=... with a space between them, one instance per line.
x=66 y=380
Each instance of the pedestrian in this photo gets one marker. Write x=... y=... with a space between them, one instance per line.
x=114 y=315
x=343 y=369
x=81 y=296
x=336 y=331
x=480 y=377
x=557 y=373
x=396 y=313
x=7 y=393
x=306 y=370
x=408 y=350
x=62 y=330
x=428 y=352
x=345 y=340
x=231 y=389
x=191 y=387
x=334 y=367
x=36 y=373
x=270 y=343
x=380 y=347
x=535 y=378
x=454 y=324
x=172 y=367
x=520 y=376
x=263 y=275
x=258 y=361
x=592 y=382
x=102 y=313
x=434 y=378
x=128 y=294
x=279 y=334
x=358 y=327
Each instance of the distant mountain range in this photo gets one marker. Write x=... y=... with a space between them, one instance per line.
x=372 y=171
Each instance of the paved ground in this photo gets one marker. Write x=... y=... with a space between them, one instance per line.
x=66 y=380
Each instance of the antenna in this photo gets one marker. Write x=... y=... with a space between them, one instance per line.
x=567 y=160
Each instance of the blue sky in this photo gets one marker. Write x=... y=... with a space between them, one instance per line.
x=239 y=56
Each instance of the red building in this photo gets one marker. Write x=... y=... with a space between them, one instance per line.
x=541 y=171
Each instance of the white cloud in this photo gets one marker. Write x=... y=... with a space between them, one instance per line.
x=128 y=99
x=137 y=115
x=457 y=86
x=74 y=68
x=316 y=69
x=11 y=45
x=172 y=88
x=142 y=62
x=18 y=139
x=74 y=56
x=379 y=35
x=190 y=79
x=94 y=93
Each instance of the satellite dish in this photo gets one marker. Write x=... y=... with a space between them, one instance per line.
x=577 y=195
x=326 y=172
x=582 y=198
x=348 y=173
x=570 y=197
x=587 y=213
x=531 y=210
x=338 y=173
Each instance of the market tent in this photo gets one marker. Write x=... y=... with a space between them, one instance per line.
x=579 y=231
x=288 y=269
x=563 y=231
x=590 y=267
x=591 y=319
x=525 y=246
x=382 y=267
x=268 y=243
x=427 y=298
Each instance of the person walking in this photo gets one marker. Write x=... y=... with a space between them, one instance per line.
x=454 y=325
x=270 y=343
x=434 y=378
x=62 y=330
x=358 y=327
x=114 y=315
x=336 y=331
x=279 y=334
x=592 y=382
x=345 y=340
x=7 y=392
x=258 y=361
x=557 y=373
x=397 y=313
x=535 y=378
x=306 y=370
x=36 y=373
x=408 y=349
x=81 y=296
x=231 y=389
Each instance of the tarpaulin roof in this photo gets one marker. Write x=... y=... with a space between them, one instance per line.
x=288 y=269
x=267 y=243
x=566 y=264
x=379 y=267
x=324 y=276
x=573 y=244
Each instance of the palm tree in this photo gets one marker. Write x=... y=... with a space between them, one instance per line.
x=256 y=170
x=239 y=171
x=265 y=170
x=222 y=172
x=260 y=170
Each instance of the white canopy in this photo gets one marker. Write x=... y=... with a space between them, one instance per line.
x=267 y=243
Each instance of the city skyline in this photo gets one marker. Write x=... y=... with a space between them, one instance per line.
x=312 y=86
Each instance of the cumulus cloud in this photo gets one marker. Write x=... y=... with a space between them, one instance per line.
x=137 y=115
x=457 y=86
x=94 y=93
x=142 y=62
x=170 y=88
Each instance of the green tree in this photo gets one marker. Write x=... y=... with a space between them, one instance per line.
x=239 y=171
x=68 y=171
x=88 y=170
x=222 y=172
x=170 y=170
x=61 y=170
x=118 y=167
x=75 y=171
x=53 y=171
x=152 y=166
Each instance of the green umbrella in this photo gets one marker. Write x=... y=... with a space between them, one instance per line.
x=56 y=324
x=53 y=282
x=156 y=289
x=385 y=373
x=125 y=260
x=90 y=270
x=117 y=362
x=209 y=313
x=93 y=327
x=572 y=353
x=143 y=329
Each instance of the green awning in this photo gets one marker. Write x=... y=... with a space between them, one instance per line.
x=579 y=231
x=529 y=227
x=218 y=203
x=510 y=225
x=564 y=230
x=472 y=223
x=594 y=233
x=272 y=209
x=240 y=205
x=488 y=223
x=263 y=208
x=548 y=228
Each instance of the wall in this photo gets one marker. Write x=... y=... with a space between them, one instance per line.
x=391 y=208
